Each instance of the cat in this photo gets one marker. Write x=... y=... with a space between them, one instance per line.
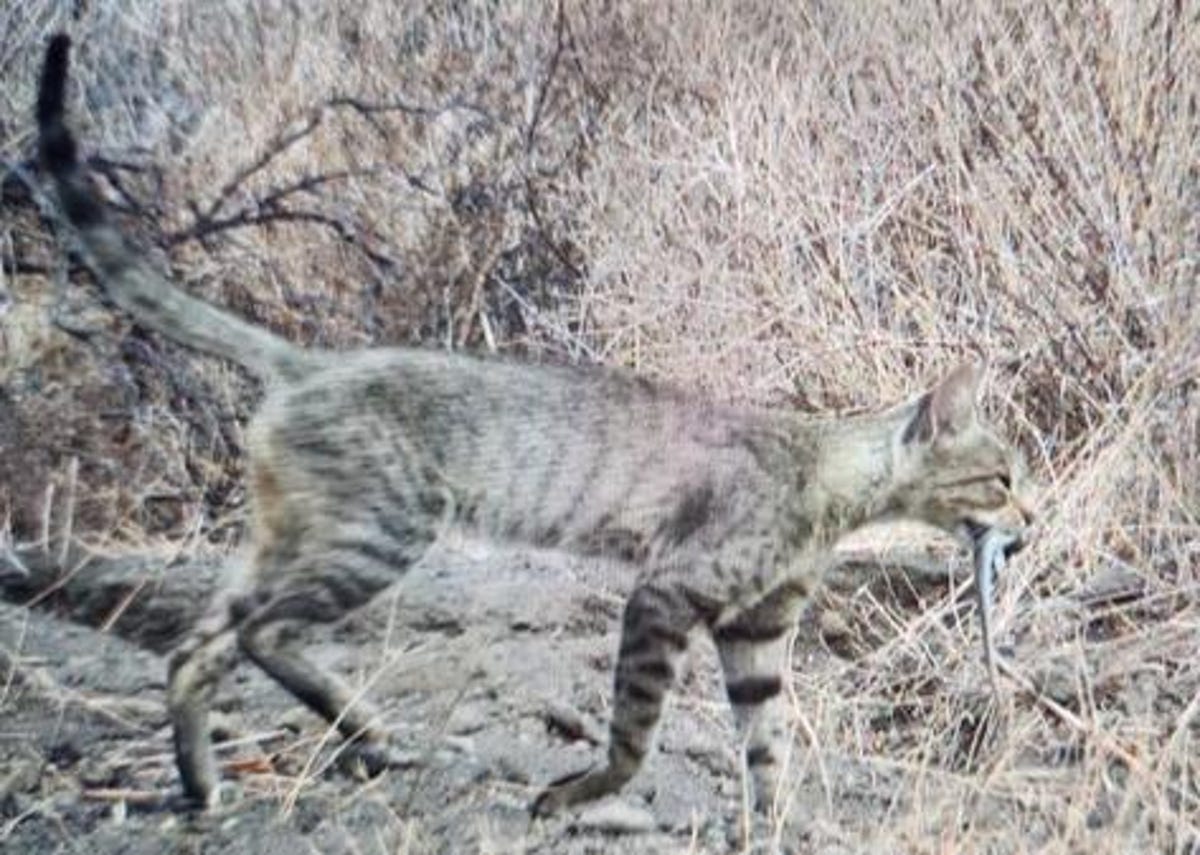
x=357 y=461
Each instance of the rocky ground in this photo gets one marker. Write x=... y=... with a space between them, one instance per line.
x=494 y=669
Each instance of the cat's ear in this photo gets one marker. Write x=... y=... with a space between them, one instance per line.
x=948 y=407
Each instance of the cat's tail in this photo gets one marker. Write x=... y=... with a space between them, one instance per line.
x=125 y=273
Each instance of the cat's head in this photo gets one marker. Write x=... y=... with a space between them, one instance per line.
x=954 y=471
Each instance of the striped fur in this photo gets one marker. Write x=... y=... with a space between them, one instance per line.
x=358 y=461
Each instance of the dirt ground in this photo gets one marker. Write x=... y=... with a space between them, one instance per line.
x=492 y=670
x=495 y=669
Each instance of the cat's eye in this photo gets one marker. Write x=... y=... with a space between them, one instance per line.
x=1005 y=480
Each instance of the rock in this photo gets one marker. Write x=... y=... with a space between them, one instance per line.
x=572 y=724
x=616 y=817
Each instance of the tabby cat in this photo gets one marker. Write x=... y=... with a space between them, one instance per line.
x=725 y=516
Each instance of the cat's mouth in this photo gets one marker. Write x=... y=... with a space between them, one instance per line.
x=977 y=533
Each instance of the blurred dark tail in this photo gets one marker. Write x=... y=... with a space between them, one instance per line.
x=134 y=284
x=56 y=146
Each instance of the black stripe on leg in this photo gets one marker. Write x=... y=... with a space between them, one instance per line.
x=760 y=755
x=652 y=637
x=668 y=635
x=628 y=745
x=746 y=630
x=655 y=670
x=754 y=690
x=643 y=720
x=394 y=556
x=635 y=691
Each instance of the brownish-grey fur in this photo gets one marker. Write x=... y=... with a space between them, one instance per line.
x=357 y=463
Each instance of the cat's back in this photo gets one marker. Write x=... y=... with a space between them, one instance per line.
x=429 y=392
x=533 y=447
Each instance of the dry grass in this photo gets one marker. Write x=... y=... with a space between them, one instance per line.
x=819 y=204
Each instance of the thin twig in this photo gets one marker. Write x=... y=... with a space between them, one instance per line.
x=548 y=78
x=281 y=144
x=246 y=218
x=66 y=531
x=144 y=798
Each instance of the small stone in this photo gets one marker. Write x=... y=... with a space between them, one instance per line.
x=456 y=744
x=469 y=720
x=294 y=719
x=616 y=817
x=571 y=723
x=508 y=770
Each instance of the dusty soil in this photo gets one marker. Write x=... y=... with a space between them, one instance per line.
x=493 y=668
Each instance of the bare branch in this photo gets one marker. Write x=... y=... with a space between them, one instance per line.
x=540 y=102
x=245 y=218
x=281 y=144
